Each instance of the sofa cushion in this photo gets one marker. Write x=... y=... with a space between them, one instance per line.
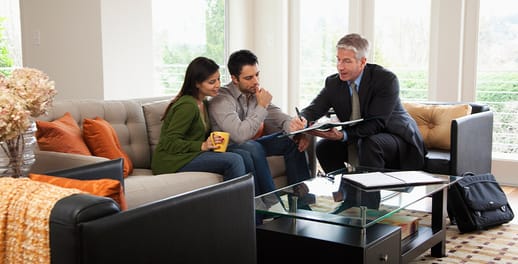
x=102 y=140
x=61 y=135
x=434 y=121
x=153 y=113
x=101 y=187
x=142 y=189
x=438 y=161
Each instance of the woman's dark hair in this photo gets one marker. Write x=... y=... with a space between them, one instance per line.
x=198 y=71
x=238 y=59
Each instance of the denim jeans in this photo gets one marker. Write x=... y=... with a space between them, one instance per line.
x=257 y=150
x=228 y=164
x=255 y=161
x=296 y=162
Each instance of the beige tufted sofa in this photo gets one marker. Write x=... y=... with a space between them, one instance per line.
x=137 y=123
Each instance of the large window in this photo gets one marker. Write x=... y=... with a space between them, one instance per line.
x=401 y=43
x=10 y=43
x=322 y=24
x=183 y=30
x=497 y=77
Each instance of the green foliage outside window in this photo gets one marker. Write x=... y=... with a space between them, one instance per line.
x=413 y=85
x=500 y=91
x=177 y=57
x=497 y=86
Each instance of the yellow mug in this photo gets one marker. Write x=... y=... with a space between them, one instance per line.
x=222 y=147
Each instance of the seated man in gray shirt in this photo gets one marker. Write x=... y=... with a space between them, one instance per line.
x=244 y=109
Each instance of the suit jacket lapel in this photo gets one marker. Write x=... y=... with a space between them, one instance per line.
x=363 y=92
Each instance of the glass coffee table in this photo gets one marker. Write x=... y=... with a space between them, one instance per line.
x=327 y=201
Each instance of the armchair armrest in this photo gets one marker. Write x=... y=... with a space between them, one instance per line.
x=71 y=212
x=51 y=161
x=215 y=224
x=65 y=223
x=471 y=143
x=110 y=169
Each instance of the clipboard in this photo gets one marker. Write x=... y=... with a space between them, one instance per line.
x=386 y=180
x=323 y=126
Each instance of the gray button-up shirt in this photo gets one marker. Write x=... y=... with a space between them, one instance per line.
x=233 y=112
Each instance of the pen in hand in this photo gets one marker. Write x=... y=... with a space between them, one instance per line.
x=298 y=113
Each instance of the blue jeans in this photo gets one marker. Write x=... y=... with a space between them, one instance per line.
x=296 y=162
x=228 y=164
x=255 y=161
x=257 y=150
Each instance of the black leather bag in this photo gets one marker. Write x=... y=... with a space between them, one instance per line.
x=478 y=202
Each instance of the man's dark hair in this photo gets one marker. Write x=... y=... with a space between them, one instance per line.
x=238 y=59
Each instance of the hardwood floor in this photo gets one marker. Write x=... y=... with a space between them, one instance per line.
x=512 y=197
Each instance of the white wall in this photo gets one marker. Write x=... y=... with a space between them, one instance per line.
x=63 y=39
x=446 y=34
x=271 y=47
x=91 y=49
x=262 y=26
x=240 y=25
x=127 y=43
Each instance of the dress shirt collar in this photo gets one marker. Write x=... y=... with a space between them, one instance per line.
x=357 y=81
x=234 y=90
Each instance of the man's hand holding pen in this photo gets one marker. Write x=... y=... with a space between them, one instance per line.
x=298 y=123
x=298 y=113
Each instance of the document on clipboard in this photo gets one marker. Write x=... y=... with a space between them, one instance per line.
x=324 y=126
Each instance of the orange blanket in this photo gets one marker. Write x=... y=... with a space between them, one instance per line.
x=25 y=207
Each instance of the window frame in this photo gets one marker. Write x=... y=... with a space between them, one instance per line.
x=453 y=57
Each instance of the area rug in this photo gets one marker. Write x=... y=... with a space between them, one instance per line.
x=495 y=245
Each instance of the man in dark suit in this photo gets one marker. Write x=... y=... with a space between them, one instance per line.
x=388 y=137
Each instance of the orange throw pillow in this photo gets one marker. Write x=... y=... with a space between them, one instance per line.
x=102 y=187
x=102 y=140
x=61 y=135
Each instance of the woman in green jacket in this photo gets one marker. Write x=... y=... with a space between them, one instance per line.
x=185 y=144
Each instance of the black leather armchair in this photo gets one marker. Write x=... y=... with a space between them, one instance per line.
x=215 y=224
x=471 y=144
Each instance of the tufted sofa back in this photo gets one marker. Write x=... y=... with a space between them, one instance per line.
x=125 y=116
